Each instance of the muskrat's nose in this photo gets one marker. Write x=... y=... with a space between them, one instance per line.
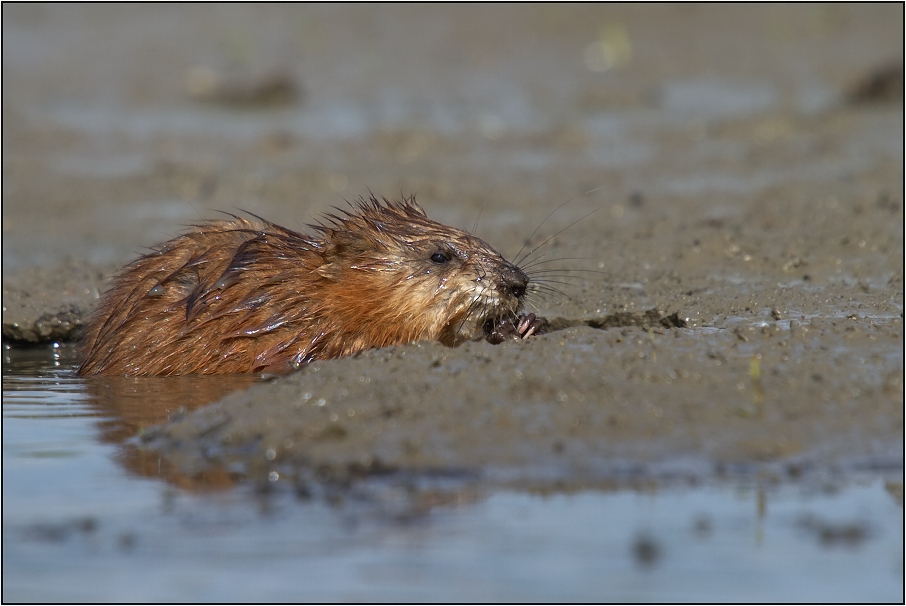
x=516 y=280
x=518 y=290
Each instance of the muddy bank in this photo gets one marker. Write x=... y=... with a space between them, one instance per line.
x=49 y=304
x=578 y=405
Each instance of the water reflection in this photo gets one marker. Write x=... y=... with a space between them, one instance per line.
x=132 y=404
x=124 y=406
x=129 y=405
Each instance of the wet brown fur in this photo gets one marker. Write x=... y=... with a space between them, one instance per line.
x=246 y=295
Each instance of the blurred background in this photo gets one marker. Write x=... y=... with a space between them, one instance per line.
x=123 y=122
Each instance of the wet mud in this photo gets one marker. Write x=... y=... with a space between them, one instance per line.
x=732 y=245
x=579 y=405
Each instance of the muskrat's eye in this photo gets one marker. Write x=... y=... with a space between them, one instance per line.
x=439 y=258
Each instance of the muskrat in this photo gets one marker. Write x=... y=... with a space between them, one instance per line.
x=246 y=295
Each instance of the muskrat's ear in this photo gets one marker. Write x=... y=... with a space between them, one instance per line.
x=345 y=244
x=340 y=251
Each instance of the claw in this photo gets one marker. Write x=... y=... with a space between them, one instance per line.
x=530 y=325
x=527 y=326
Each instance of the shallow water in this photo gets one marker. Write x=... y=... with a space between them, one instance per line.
x=80 y=524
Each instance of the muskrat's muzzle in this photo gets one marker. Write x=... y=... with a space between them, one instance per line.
x=515 y=280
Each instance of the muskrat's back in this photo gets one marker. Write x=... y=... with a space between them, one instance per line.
x=246 y=295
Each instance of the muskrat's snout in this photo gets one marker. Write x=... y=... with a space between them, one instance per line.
x=516 y=281
x=506 y=322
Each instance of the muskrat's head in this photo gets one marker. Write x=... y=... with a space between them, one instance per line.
x=405 y=277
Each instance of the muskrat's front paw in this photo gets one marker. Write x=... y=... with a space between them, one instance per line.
x=506 y=330
x=529 y=325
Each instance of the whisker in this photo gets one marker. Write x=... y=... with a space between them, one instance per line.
x=573 y=283
x=480 y=210
x=545 y=288
x=528 y=260
x=546 y=282
x=529 y=239
x=562 y=272
x=567 y=272
x=538 y=261
x=543 y=281
x=553 y=290
x=559 y=232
